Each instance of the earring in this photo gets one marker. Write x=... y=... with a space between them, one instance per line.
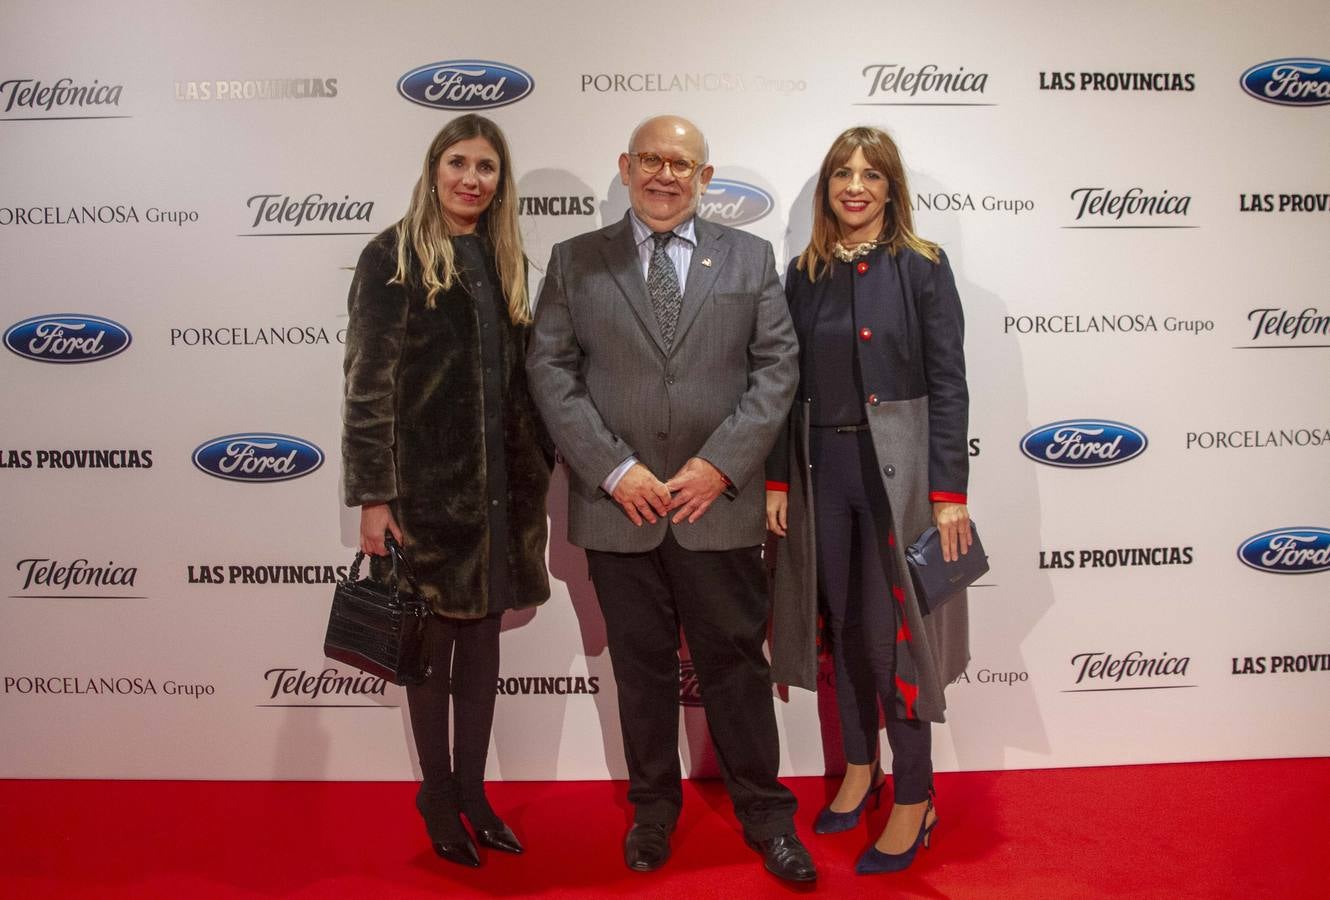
x=434 y=189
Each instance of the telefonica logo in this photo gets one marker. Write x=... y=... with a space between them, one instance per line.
x=465 y=84
x=1098 y=670
x=1133 y=207
x=1289 y=327
x=734 y=203
x=63 y=98
x=1296 y=81
x=1083 y=443
x=77 y=579
x=257 y=456
x=896 y=84
x=298 y=687
x=67 y=338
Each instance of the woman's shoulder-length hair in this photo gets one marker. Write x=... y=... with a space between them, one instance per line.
x=881 y=153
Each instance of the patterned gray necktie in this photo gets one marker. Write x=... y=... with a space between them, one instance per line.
x=663 y=287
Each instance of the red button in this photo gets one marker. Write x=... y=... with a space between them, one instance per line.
x=872 y=400
x=862 y=267
x=865 y=334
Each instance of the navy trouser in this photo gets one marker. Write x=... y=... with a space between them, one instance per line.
x=853 y=520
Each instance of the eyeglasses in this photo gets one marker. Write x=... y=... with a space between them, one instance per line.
x=652 y=163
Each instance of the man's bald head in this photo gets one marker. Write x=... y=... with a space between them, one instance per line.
x=677 y=126
x=661 y=199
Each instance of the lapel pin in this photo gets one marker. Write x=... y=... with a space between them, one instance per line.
x=706 y=261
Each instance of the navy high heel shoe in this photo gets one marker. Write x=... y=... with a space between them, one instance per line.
x=829 y=821
x=874 y=862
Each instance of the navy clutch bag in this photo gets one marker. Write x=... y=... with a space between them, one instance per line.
x=937 y=581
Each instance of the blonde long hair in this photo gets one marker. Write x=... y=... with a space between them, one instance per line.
x=424 y=231
x=898 y=227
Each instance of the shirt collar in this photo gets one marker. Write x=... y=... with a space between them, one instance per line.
x=685 y=230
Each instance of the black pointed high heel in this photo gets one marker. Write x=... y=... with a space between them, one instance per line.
x=447 y=835
x=491 y=831
x=497 y=837
x=874 y=862
x=829 y=821
x=458 y=849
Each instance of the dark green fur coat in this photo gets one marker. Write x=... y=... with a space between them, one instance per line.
x=414 y=437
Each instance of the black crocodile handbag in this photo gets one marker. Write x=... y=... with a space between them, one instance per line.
x=380 y=628
x=937 y=581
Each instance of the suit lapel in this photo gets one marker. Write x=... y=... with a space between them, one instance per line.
x=708 y=256
x=620 y=252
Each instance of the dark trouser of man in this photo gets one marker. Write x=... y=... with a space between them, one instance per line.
x=853 y=516
x=720 y=599
x=464 y=656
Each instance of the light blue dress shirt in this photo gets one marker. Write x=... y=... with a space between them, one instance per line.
x=680 y=252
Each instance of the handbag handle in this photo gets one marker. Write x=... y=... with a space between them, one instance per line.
x=398 y=557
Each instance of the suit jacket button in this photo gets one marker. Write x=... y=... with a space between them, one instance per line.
x=865 y=334
x=889 y=471
x=872 y=400
x=660 y=435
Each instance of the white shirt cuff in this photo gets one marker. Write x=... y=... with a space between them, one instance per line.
x=612 y=480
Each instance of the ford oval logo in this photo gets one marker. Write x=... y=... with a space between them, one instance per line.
x=1083 y=443
x=1288 y=551
x=258 y=456
x=734 y=203
x=67 y=338
x=465 y=84
x=1297 y=81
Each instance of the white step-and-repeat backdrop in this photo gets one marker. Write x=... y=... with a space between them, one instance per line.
x=1134 y=197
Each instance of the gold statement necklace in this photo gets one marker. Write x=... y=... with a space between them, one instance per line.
x=853 y=252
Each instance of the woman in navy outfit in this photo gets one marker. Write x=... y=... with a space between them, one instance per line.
x=875 y=454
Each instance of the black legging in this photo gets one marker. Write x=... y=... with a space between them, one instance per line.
x=464 y=655
x=852 y=515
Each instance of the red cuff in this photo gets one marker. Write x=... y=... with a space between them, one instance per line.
x=944 y=497
x=778 y=486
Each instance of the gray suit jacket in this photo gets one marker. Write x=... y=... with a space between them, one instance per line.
x=607 y=388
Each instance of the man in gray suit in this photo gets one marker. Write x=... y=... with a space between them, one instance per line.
x=664 y=363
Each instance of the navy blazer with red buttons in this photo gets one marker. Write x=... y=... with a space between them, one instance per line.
x=911 y=330
x=908 y=343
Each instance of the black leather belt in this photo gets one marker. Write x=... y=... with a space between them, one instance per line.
x=845 y=429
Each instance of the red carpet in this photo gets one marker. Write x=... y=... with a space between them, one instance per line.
x=1239 y=829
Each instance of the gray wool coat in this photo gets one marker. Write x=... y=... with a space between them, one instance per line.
x=917 y=407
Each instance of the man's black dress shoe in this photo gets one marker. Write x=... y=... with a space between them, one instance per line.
x=498 y=837
x=463 y=851
x=646 y=847
x=786 y=857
